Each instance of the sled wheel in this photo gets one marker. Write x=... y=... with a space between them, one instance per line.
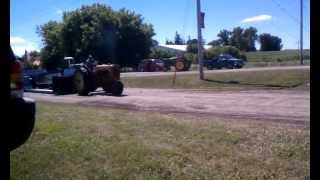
x=117 y=88
x=80 y=81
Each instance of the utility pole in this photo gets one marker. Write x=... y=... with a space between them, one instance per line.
x=301 y=32
x=200 y=20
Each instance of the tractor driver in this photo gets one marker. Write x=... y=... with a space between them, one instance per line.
x=91 y=62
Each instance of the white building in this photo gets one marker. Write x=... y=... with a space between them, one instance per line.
x=177 y=48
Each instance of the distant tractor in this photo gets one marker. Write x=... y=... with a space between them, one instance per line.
x=87 y=77
x=180 y=63
x=151 y=65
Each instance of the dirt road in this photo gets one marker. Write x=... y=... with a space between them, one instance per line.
x=286 y=106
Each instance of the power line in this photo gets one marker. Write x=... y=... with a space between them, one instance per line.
x=286 y=33
x=285 y=11
x=186 y=17
x=288 y=14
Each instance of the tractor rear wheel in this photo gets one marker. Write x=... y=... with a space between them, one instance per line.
x=117 y=88
x=179 y=66
x=81 y=83
x=187 y=65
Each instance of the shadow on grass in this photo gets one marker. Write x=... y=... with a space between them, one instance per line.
x=232 y=82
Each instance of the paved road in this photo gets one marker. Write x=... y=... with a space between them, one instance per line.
x=265 y=105
x=141 y=74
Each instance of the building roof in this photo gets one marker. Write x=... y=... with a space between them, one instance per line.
x=178 y=47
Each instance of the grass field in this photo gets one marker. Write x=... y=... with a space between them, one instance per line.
x=273 y=58
x=268 y=79
x=276 y=56
x=73 y=142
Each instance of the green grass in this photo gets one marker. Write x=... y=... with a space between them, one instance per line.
x=275 y=63
x=276 y=56
x=74 y=142
x=273 y=58
x=268 y=79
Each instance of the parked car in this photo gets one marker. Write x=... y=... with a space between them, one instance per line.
x=212 y=64
x=223 y=61
x=151 y=65
x=23 y=109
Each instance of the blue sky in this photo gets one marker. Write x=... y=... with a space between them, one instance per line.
x=278 y=17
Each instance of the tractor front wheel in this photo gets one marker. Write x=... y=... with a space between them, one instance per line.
x=117 y=88
x=180 y=66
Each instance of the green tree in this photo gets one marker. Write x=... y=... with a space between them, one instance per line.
x=244 y=39
x=192 y=41
x=224 y=37
x=90 y=30
x=32 y=54
x=119 y=37
x=168 y=42
x=215 y=43
x=269 y=42
x=154 y=43
x=192 y=46
x=250 y=37
x=237 y=39
x=178 y=40
x=191 y=57
x=157 y=53
x=52 y=52
x=192 y=50
x=134 y=39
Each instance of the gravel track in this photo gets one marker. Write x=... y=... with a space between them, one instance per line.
x=287 y=106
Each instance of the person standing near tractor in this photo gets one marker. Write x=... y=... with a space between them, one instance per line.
x=91 y=63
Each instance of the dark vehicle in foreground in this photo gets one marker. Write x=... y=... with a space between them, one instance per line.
x=23 y=109
x=223 y=61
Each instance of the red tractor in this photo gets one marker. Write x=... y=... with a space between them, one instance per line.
x=105 y=76
x=87 y=77
x=151 y=65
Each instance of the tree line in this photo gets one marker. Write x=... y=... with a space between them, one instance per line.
x=242 y=38
x=122 y=37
